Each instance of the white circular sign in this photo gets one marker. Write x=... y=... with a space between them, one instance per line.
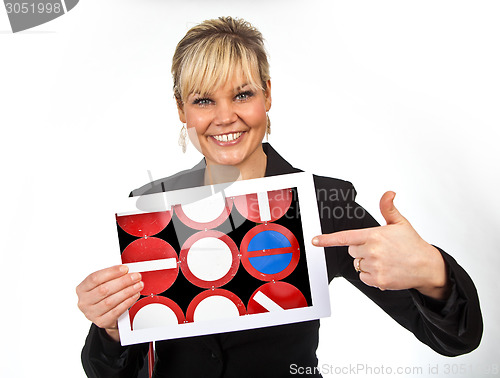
x=215 y=307
x=154 y=315
x=206 y=209
x=209 y=259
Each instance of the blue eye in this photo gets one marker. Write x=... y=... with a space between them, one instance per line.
x=202 y=101
x=244 y=95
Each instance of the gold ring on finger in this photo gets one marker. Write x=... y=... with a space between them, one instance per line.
x=358 y=265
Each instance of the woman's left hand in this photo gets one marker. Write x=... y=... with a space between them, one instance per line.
x=393 y=257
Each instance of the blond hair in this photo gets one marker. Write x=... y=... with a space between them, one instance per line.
x=212 y=52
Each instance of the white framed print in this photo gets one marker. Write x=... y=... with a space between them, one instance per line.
x=223 y=258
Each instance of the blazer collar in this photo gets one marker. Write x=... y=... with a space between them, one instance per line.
x=276 y=165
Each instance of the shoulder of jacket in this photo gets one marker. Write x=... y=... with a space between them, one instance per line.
x=334 y=189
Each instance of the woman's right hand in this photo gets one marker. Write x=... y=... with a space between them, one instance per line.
x=106 y=294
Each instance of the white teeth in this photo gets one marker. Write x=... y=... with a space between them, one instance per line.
x=227 y=137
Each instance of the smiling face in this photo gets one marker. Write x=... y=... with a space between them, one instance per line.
x=227 y=126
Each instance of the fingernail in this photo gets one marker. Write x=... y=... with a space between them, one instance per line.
x=315 y=241
x=138 y=286
x=123 y=268
x=135 y=276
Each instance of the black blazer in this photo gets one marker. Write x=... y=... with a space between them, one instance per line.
x=449 y=327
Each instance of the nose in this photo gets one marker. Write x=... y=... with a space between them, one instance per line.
x=225 y=113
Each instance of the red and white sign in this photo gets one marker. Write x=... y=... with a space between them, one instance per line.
x=264 y=206
x=215 y=304
x=147 y=224
x=156 y=260
x=209 y=259
x=206 y=213
x=275 y=296
x=155 y=311
x=270 y=252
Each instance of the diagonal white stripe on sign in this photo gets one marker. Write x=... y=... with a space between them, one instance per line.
x=265 y=211
x=266 y=302
x=149 y=266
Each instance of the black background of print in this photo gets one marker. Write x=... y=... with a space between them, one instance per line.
x=235 y=226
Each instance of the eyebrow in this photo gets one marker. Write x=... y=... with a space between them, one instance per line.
x=239 y=88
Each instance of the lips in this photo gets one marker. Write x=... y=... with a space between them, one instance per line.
x=229 y=137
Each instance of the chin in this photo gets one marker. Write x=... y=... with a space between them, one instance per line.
x=228 y=161
x=235 y=156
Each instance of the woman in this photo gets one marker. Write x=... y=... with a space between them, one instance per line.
x=223 y=92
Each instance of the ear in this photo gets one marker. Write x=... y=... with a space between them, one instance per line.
x=180 y=110
x=267 y=94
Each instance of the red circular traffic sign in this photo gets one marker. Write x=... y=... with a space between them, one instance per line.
x=155 y=311
x=209 y=259
x=207 y=213
x=147 y=249
x=269 y=252
x=279 y=203
x=275 y=296
x=147 y=224
x=215 y=304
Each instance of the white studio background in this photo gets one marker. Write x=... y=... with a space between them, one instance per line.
x=391 y=95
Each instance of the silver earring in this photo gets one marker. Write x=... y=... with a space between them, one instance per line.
x=268 y=126
x=183 y=138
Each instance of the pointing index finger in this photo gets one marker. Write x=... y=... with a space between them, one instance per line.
x=341 y=238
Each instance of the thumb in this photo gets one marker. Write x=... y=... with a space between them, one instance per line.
x=388 y=210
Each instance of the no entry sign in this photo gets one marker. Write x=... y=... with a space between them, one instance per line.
x=264 y=206
x=147 y=224
x=157 y=262
x=275 y=296
x=270 y=252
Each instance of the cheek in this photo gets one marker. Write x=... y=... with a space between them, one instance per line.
x=193 y=137
x=198 y=123
x=256 y=117
x=261 y=121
